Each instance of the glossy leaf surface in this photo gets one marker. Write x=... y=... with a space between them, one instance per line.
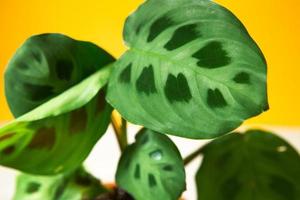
x=151 y=168
x=191 y=70
x=256 y=165
x=76 y=185
x=59 y=134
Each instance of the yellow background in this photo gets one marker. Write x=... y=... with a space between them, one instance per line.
x=274 y=24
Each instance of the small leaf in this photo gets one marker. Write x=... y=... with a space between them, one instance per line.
x=191 y=70
x=151 y=168
x=75 y=185
x=58 y=134
x=256 y=165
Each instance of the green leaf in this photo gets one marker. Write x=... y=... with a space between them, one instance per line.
x=59 y=134
x=47 y=65
x=256 y=165
x=151 y=168
x=75 y=185
x=191 y=70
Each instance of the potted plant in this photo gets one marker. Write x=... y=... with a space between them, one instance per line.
x=191 y=70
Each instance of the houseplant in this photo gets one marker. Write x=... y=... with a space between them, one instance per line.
x=191 y=70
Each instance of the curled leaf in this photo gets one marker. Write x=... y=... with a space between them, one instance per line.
x=58 y=134
x=45 y=66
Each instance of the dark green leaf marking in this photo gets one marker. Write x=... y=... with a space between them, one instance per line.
x=38 y=92
x=151 y=180
x=158 y=27
x=144 y=139
x=183 y=35
x=43 y=139
x=101 y=101
x=242 y=78
x=145 y=83
x=9 y=150
x=138 y=29
x=33 y=187
x=37 y=56
x=78 y=121
x=177 y=88
x=212 y=55
x=125 y=75
x=6 y=136
x=215 y=98
x=137 y=171
x=64 y=69
x=168 y=168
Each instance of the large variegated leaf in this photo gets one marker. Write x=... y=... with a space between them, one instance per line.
x=256 y=165
x=151 y=168
x=191 y=70
x=59 y=134
x=74 y=185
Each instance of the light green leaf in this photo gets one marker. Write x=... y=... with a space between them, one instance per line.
x=75 y=185
x=191 y=70
x=256 y=165
x=59 y=134
x=151 y=168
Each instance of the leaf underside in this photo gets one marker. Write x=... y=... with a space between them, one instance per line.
x=57 y=135
x=256 y=165
x=45 y=66
x=191 y=70
x=55 y=143
x=151 y=168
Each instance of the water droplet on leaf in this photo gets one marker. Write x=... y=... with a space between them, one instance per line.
x=156 y=155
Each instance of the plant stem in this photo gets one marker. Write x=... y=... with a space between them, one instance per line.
x=120 y=130
x=192 y=156
x=124 y=132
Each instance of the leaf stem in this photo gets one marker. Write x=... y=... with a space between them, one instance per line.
x=124 y=132
x=120 y=130
x=187 y=160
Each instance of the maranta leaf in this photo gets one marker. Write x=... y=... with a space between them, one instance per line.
x=45 y=66
x=73 y=185
x=191 y=70
x=256 y=165
x=151 y=168
x=58 y=134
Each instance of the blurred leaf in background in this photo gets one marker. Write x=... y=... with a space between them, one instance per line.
x=256 y=165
